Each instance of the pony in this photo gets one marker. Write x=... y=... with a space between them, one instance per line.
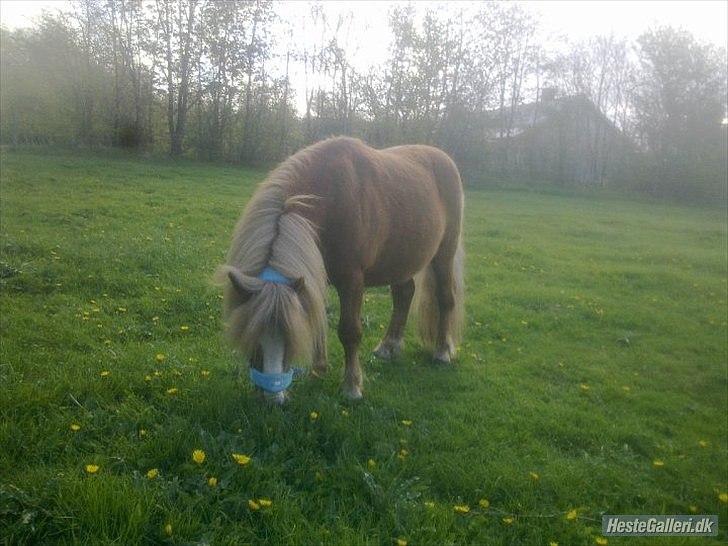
x=342 y=213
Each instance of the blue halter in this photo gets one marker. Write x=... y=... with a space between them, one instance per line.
x=274 y=382
x=271 y=274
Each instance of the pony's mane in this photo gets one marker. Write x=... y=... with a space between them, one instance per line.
x=271 y=233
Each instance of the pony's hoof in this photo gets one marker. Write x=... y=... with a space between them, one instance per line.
x=442 y=357
x=389 y=349
x=383 y=352
x=353 y=393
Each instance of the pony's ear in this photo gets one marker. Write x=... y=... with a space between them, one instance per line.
x=236 y=278
x=298 y=284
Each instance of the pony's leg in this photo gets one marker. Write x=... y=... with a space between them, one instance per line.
x=393 y=341
x=350 y=296
x=442 y=267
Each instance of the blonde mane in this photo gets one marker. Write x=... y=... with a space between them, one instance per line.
x=271 y=233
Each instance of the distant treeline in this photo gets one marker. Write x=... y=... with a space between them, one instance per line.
x=207 y=79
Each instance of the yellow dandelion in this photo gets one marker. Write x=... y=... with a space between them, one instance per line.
x=345 y=413
x=168 y=529
x=553 y=543
x=241 y=459
x=508 y=520
x=198 y=456
x=400 y=542
x=212 y=481
x=571 y=514
x=121 y=309
x=313 y=415
x=142 y=432
x=205 y=373
x=461 y=508
x=723 y=497
x=429 y=504
x=534 y=476
x=703 y=443
x=407 y=422
x=658 y=463
x=105 y=373
x=75 y=427
x=693 y=509
x=152 y=473
x=160 y=357
x=253 y=505
x=173 y=390
x=265 y=503
x=155 y=319
x=626 y=388
x=157 y=373
x=147 y=378
x=371 y=464
x=403 y=454
x=92 y=468
x=484 y=503
x=601 y=541
x=184 y=328
x=584 y=386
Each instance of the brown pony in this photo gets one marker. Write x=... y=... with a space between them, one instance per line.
x=342 y=212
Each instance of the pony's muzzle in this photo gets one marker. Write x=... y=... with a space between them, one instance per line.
x=275 y=398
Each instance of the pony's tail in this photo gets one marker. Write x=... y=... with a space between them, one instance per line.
x=427 y=307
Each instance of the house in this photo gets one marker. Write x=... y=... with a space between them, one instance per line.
x=566 y=140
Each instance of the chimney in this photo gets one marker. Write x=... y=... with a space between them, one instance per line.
x=548 y=94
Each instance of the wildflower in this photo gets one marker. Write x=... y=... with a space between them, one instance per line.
x=265 y=503
x=313 y=415
x=161 y=357
x=402 y=454
x=92 y=468
x=571 y=514
x=253 y=505
x=400 y=542
x=693 y=509
x=198 y=456
x=319 y=476
x=723 y=497
x=429 y=504
x=484 y=503
x=241 y=459
x=626 y=388
x=121 y=309
x=703 y=443
x=184 y=328
x=205 y=373
x=147 y=378
x=508 y=520
x=534 y=476
x=142 y=432
x=407 y=422
x=173 y=390
x=75 y=427
x=212 y=481
x=152 y=473
x=584 y=386
x=371 y=464
x=553 y=543
x=155 y=319
x=168 y=529
x=345 y=413
x=658 y=463
x=105 y=373
x=461 y=508
x=601 y=541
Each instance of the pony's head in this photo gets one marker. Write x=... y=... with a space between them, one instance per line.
x=274 y=299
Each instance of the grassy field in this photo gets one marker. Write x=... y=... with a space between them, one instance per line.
x=592 y=378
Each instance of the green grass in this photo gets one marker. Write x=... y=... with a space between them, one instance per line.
x=570 y=301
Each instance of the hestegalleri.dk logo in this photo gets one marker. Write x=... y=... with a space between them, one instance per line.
x=656 y=525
